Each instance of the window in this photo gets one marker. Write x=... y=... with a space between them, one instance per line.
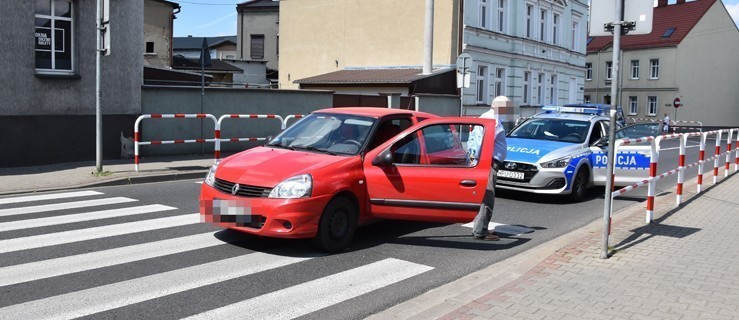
x=257 y=46
x=529 y=21
x=277 y=45
x=555 y=28
x=501 y=15
x=588 y=71
x=482 y=89
x=149 y=47
x=526 y=87
x=540 y=89
x=484 y=14
x=575 y=36
x=633 y=105
x=654 y=69
x=634 y=69
x=652 y=104
x=588 y=99
x=609 y=70
x=54 y=43
x=543 y=26
x=668 y=32
x=499 y=82
x=553 y=90
x=442 y=146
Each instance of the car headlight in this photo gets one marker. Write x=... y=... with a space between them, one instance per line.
x=294 y=187
x=557 y=163
x=210 y=178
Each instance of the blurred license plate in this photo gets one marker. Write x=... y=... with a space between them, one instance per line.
x=510 y=174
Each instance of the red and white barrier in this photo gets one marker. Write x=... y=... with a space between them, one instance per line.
x=292 y=116
x=242 y=116
x=680 y=170
x=137 y=136
x=675 y=122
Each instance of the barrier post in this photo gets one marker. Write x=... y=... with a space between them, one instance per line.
x=681 y=168
x=217 y=135
x=718 y=152
x=701 y=158
x=295 y=116
x=728 y=153
x=736 y=152
x=652 y=181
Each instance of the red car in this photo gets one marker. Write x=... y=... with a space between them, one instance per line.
x=337 y=169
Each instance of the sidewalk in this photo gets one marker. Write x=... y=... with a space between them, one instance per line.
x=115 y=172
x=684 y=265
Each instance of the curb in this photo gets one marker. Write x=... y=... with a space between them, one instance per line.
x=117 y=182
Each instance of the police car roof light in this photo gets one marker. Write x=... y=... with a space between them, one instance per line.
x=582 y=109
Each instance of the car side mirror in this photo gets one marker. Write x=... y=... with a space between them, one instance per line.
x=384 y=159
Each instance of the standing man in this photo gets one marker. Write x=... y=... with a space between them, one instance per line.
x=474 y=144
x=665 y=124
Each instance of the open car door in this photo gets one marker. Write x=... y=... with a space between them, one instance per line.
x=425 y=174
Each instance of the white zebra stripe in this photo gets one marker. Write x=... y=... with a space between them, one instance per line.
x=116 y=295
x=51 y=239
x=100 y=259
x=63 y=206
x=88 y=216
x=49 y=197
x=314 y=295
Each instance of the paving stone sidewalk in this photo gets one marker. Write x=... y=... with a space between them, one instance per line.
x=684 y=265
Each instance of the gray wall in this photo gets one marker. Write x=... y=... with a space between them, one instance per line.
x=443 y=105
x=220 y=101
x=25 y=93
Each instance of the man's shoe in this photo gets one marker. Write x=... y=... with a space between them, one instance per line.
x=489 y=237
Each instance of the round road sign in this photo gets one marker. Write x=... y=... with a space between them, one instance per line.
x=677 y=103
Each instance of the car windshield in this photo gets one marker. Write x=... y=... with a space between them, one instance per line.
x=327 y=133
x=563 y=130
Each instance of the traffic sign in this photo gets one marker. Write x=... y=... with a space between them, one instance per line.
x=676 y=103
x=464 y=64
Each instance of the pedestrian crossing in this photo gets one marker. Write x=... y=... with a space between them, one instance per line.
x=207 y=260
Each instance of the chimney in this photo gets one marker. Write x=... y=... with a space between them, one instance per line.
x=661 y=3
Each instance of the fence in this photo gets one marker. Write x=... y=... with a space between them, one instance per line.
x=651 y=181
x=216 y=134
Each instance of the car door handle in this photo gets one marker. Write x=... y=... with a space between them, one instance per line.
x=468 y=183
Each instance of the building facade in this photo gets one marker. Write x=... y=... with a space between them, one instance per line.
x=47 y=113
x=258 y=32
x=159 y=18
x=532 y=51
x=691 y=54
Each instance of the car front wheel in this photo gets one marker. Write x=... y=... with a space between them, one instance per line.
x=337 y=225
x=579 y=186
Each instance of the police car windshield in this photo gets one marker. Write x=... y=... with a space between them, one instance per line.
x=562 y=130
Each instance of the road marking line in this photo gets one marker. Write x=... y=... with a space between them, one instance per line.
x=121 y=294
x=199 y=182
x=312 y=296
x=100 y=259
x=88 y=216
x=49 y=197
x=504 y=228
x=63 y=206
x=51 y=239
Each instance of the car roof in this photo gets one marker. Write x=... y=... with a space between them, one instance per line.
x=375 y=112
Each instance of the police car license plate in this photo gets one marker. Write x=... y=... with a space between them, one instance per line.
x=510 y=174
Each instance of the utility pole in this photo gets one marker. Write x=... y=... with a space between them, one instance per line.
x=428 y=43
x=98 y=112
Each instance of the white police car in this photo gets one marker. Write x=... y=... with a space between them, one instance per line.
x=562 y=150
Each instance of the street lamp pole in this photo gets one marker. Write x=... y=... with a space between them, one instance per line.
x=98 y=113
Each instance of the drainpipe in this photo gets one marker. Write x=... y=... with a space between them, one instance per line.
x=428 y=42
x=171 y=34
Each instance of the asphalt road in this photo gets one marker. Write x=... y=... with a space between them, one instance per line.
x=115 y=257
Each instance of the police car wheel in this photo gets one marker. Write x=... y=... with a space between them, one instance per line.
x=579 y=186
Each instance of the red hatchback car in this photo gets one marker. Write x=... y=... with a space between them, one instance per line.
x=337 y=169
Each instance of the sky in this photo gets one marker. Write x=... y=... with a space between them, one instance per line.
x=212 y=18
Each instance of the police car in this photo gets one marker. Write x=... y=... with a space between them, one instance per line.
x=562 y=150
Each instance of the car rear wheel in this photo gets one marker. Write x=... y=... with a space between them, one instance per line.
x=337 y=225
x=579 y=186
